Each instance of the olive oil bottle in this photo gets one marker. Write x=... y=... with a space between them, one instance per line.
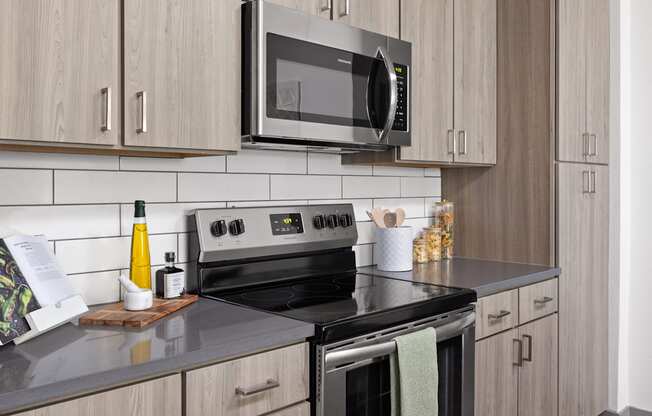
x=141 y=270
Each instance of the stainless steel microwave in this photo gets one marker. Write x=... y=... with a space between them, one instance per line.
x=320 y=84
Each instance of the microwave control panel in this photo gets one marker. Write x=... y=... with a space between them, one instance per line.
x=401 y=119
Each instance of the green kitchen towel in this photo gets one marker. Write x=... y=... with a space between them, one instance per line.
x=414 y=374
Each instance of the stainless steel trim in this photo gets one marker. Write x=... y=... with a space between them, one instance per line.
x=529 y=348
x=594 y=140
x=593 y=180
x=393 y=94
x=451 y=140
x=462 y=136
x=586 y=186
x=106 y=92
x=142 y=98
x=347 y=8
x=543 y=300
x=585 y=145
x=268 y=385
x=498 y=316
x=519 y=354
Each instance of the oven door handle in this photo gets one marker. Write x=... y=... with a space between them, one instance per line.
x=444 y=332
x=393 y=95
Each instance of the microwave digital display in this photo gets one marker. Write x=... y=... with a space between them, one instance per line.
x=285 y=224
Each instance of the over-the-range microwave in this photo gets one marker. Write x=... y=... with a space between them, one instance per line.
x=312 y=83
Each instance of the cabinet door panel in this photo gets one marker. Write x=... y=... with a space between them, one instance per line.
x=571 y=80
x=496 y=375
x=315 y=7
x=475 y=80
x=186 y=57
x=428 y=25
x=537 y=381
x=55 y=58
x=380 y=16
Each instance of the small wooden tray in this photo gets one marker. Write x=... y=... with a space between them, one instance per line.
x=116 y=315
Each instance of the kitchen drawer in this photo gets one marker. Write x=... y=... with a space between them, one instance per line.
x=301 y=409
x=537 y=300
x=496 y=313
x=250 y=386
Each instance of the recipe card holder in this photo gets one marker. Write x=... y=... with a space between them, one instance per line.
x=51 y=316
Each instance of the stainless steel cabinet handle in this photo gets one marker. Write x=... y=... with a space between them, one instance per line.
x=586 y=186
x=347 y=8
x=106 y=92
x=498 y=316
x=328 y=7
x=594 y=140
x=585 y=145
x=142 y=97
x=519 y=353
x=451 y=142
x=246 y=392
x=528 y=338
x=462 y=136
x=543 y=300
x=592 y=190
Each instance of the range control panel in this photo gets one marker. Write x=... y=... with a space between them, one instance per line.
x=234 y=233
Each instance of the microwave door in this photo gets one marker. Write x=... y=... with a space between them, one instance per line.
x=382 y=95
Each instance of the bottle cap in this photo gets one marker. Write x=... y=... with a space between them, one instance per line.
x=169 y=257
x=139 y=209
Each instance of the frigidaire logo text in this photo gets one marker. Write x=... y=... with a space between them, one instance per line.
x=343 y=61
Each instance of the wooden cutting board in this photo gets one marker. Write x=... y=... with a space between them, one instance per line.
x=116 y=315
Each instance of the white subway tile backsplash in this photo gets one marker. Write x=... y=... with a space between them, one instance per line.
x=364 y=255
x=430 y=206
x=187 y=252
x=57 y=161
x=58 y=222
x=163 y=164
x=366 y=232
x=414 y=207
x=432 y=172
x=360 y=206
x=260 y=161
x=397 y=171
x=305 y=187
x=370 y=187
x=164 y=218
x=245 y=204
x=25 y=187
x=330 y=164
x=97 y=288
x=83 y=187
x=204 y=187
x=412 y=187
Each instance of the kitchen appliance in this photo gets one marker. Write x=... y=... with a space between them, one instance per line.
x=321 y=85
x=298 y=262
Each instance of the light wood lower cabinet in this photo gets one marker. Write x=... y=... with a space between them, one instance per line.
x=496 y=376
x=160 y=397
x=302 y=409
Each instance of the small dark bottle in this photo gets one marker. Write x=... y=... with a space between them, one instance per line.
x=170 y=279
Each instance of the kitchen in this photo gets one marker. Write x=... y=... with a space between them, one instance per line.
x=511 y=109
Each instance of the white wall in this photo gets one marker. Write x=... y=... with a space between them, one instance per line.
x=84 y=204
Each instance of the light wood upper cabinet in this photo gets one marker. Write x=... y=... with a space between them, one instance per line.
x=56 y=57
x=496 y=375
x=161 y=397
x=428 y=25
x=379 y=16
x=583 y=81
x=583 y=252
x=475 y=81
x=315 y=7
x=182 y=74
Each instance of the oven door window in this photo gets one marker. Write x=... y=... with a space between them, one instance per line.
x=315 y=83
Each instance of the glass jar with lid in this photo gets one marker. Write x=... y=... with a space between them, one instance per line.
x=432 y=235
x=445 y=217
x=419 y=251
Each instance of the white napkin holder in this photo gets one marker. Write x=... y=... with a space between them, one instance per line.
x=393 y=251
x=52 y=316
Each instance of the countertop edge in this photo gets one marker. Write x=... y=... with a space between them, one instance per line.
x=516 y=282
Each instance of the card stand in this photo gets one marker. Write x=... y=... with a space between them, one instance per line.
x=52 y=316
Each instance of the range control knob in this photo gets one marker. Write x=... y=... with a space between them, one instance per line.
x=346 y=220
x=332 y=221
x=237 y=227
x=218 y=228
x=318 y=221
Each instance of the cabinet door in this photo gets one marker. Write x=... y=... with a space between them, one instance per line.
x=597 y=80
x=537 y=381
x=571 y=80
x=475 y=80
x=182 y=76
x=56 y=57
x=161 y=397
x=496 y=375
x=317 y=7
x=583 y=227
x=428 y=25
x=380 y=16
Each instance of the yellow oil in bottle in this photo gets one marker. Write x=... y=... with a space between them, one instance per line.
x=141 y=270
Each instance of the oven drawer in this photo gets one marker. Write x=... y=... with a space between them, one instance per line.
x=496 y=313
x=537 y=300
x=302 y=409
x=250 y=386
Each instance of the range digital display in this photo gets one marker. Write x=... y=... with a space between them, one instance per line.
x=286 y=224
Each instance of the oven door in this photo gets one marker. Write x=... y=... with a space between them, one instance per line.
x=354 y=377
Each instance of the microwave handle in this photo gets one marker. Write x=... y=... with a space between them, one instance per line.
x=444 y=332
x=393 y=94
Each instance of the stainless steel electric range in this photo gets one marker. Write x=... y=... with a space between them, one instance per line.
x=299 y=262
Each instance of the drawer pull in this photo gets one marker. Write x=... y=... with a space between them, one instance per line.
x=519 y=353
x=543 y=300
x=528 y=338
x=269 y=385
x=498 y=316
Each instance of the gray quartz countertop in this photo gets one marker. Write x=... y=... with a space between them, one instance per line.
x=484 y=276
x=73 y=360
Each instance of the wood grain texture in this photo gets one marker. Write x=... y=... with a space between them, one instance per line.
x=537 y=379
x=494 y=305
x=380 y=16
x=160 y=397
x=116 y=315
x=314 y=7
x=583 y=224
x=301 y=409
x=185 y=55
x=571 y=79
x=475 y=79
x=211 y=390
x=528 y=307
x=428 y=25
x=505 y=212
x=55 y=57
x=496 y=376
